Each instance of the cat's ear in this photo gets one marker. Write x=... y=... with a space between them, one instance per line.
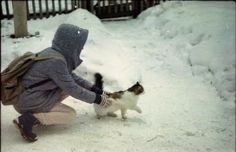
x=137 y=83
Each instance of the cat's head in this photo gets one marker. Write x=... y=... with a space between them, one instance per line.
x=137 y=89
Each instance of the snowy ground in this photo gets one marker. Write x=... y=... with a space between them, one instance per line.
x=184 y=55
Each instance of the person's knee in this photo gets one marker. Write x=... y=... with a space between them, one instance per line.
x=72 y=115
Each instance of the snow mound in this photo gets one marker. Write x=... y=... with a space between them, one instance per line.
x=152 y=16
x=207 y=39
x=112 y=61
x=169 y=56
x=95 y=52
x=84 y=19
x=87 y=20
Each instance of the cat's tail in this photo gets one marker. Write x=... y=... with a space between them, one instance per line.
x=98 y=80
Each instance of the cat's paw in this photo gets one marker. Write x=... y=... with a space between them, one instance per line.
x=138 y=109
x=99 y=116
x=124 y=117
x=112 y=114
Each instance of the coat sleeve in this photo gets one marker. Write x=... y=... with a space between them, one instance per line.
x=82 y=82
x=60 y=75
x=86 y=84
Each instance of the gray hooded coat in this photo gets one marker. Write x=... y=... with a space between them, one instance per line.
x=68 y=41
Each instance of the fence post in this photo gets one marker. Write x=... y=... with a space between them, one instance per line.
x=40 y=9
x=66 y=7
x=34 y=11
x=89 y=5
x=47 y=9
x=137 y=7
x=59 y=2
x=20 y=18
x=1 y=13
x=28 y=13
x=53 y=8
x=72 y=5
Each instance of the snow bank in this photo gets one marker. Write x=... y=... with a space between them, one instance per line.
x=94 y=54
x=207 y=38
x=99 y=54
x=180 y=113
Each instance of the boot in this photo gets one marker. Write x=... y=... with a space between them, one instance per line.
x=25 y=125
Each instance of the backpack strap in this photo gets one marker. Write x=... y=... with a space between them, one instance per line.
x=57 y=55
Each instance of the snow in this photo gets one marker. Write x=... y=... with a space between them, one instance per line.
x=210 y=39
x=183 y=53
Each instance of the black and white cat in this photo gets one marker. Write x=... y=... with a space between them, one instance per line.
x=121 y=100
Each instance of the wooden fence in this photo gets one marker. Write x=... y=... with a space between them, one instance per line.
x=122 y=8
x=38 y=9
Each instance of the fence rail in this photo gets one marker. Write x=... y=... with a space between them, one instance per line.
x=38 y=9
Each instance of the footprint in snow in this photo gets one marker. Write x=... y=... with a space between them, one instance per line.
x=189 y=133
x=196 y=40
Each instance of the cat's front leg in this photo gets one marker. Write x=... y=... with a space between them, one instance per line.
x=100 y=114
x=124 y=113
x=138 y=109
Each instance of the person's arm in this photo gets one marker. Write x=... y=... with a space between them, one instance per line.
x=86 y=84
x=59 y=73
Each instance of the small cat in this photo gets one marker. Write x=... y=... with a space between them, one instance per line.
x=121 y=100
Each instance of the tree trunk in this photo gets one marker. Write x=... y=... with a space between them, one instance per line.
x=20 y=18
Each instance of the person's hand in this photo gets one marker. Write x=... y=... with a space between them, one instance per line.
x=106 y=93
x=96 y=90
x=105 y=102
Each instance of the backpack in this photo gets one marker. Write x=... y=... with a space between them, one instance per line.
x=10 y=84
